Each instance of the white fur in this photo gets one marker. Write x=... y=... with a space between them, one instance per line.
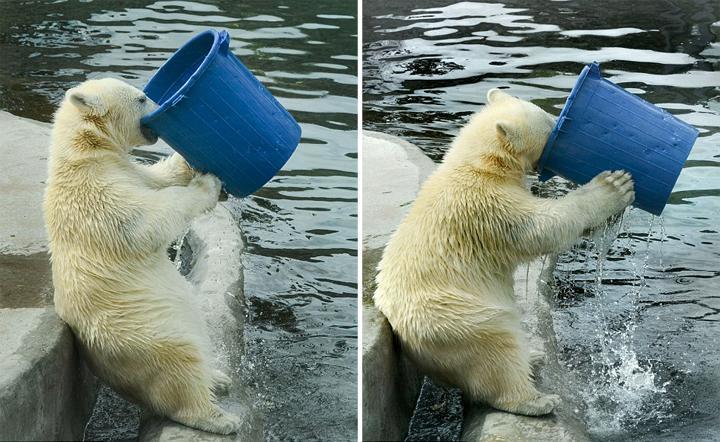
x=445 y=280
x=110 y=222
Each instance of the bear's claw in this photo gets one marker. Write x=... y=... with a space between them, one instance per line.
x=538 y=406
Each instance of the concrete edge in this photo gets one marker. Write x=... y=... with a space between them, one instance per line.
x=391 y=383
x=51 y=390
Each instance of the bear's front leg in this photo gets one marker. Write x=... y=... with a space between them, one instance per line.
x=167 y=212
x=554 y=225
x=171 y=171
x=607 y=194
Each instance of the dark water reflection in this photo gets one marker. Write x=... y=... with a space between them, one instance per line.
x=639 y=349
x=300 y=276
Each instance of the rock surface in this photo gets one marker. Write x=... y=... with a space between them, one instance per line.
x=23 y=154
x=438 y=414
x=390 y=382
x=393 y=171
x=46 y=393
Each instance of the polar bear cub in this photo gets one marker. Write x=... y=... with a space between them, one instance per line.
x=445 y=281
x=110 y=222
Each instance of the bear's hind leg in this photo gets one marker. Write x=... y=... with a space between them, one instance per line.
x=541 y=405
x=503 y=377
x=181 y=388
x=212 y=419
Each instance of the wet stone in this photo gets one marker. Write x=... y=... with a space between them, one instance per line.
x=27 y=281
x=113 y=418
x=438 y=414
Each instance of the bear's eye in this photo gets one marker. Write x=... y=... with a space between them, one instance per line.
x=142 y=100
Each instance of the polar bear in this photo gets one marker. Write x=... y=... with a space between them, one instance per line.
x=445 y=280
x=110 y=222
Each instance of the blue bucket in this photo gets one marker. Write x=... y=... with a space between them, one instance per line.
x=215 y=113
x=603 y=127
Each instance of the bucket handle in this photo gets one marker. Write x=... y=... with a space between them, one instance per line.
x=224 y=39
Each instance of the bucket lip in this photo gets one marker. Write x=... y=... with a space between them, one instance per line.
x=209 y=57
x=561 y=118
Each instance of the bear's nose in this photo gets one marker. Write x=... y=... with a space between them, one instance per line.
x=148 y=134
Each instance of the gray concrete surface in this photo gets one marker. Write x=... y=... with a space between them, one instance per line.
x=391 y=383
x=45 y=391
x=23 y=156
x=156 y=430
x=393 y=171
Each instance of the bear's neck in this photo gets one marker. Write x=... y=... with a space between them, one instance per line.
x=84 y=135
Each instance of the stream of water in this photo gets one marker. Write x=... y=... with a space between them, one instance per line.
x=637 y=317
x=300 y=262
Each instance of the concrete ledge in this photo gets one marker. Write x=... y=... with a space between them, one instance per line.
x=45 y=391
x=391 y=384
x=393 y=171
x=23 y=153
x=155 y=430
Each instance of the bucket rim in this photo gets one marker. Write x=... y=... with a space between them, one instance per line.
x=209 y=57
x=547 y=150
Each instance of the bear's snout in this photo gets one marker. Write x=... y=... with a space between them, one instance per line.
x=149 y=134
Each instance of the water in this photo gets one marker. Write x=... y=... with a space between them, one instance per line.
x=636 y=328
x=620 y=390
x=300 y=262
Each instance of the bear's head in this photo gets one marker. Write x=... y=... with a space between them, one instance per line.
x=507 y=136
x=521 y=127
x=114 y=109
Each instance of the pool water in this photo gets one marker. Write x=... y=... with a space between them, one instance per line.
x=636 y=329
x=300 y=329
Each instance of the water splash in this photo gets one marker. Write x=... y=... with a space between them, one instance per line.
x=623 y=391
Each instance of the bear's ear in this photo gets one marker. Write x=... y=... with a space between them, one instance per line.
x=508 y=133
x=86 y=103
x=496 y=94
